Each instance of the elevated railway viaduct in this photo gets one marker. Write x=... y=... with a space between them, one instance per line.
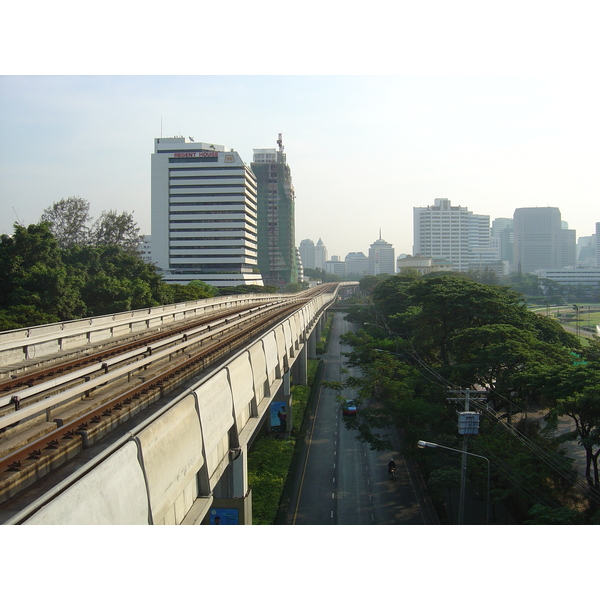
x=156 y=433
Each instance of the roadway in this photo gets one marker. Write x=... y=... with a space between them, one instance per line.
x=341 y=481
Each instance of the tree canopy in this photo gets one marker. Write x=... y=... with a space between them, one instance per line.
x=419 y=339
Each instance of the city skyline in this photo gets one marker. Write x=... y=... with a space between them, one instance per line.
x=367 y=151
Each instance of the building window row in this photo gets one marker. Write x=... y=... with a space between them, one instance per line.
x=215 y=194
x=207 y=185
x=182 y=177
x=199 y=159
x=218 y=230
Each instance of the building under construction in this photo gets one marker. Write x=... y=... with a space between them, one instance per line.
x=277 y=256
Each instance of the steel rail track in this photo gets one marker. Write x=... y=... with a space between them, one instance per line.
x=28 y=403
x=79 y=427
x=36 y=375
x=103 y=362
x=53 y=449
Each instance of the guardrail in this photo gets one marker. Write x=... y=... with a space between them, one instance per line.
x=20 y=345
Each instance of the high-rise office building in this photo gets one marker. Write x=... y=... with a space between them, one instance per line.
x=453 y=233
x=502 y=230
x=541 y=241
x=320 y=255
x=204 y=214
x=276 y=232
x=357 y=264
x=335 y=266
x=382 y=257
x=307 y=253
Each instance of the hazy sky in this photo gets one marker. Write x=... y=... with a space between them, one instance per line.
x=363 y=149
x=382 y=106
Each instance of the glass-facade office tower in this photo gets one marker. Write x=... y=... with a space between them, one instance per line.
x=540 y=241
x=204 y=214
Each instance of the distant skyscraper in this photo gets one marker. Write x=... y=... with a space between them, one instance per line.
x=502 y=230
x=586 y=251
x=598 y=245
x=320 y=255
x=335 y=266
x=203 y=214
x=381 y=257
x=540 y=241
x=357 y=264
x=307 y=253
x=276 y=233
x=453 y=233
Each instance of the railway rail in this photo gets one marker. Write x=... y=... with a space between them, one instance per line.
x=49 y=415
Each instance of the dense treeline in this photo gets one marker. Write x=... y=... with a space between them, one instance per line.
x=422 y=339
x=63 y=269
x=42 y=283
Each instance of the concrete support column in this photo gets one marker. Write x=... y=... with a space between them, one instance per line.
x=286 y=393
x=282 y=401
x=239 y=473
x=312 y=344
x=300 y=367
x=319 y=328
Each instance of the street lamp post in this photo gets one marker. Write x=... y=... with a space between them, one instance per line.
x=423 y=444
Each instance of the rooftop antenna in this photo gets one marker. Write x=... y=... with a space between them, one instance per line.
x=280 y=143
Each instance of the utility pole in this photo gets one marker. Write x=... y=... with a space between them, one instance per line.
x=468 y=423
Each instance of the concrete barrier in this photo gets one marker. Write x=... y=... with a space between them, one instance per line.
x=166 y=469
x=114 y=493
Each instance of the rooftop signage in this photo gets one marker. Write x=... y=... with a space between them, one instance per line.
x=195 y=154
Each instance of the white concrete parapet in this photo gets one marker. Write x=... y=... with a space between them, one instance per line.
x=19 y=345
x=168 y=467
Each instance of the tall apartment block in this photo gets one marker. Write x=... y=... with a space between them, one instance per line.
x=453 y=233
x=382 y=257
x=541 y=241
x=276 y=232
x=204 y=214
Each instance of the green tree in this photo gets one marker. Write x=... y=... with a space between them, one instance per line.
x=112 y=229
x=32 y=274
x=204 y=290
x=449 y=304
x=496 y=357
x=69 y=221
x=583 y=406
x=113 y=280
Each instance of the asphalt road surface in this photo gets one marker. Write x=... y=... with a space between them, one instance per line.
x=341 y=481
